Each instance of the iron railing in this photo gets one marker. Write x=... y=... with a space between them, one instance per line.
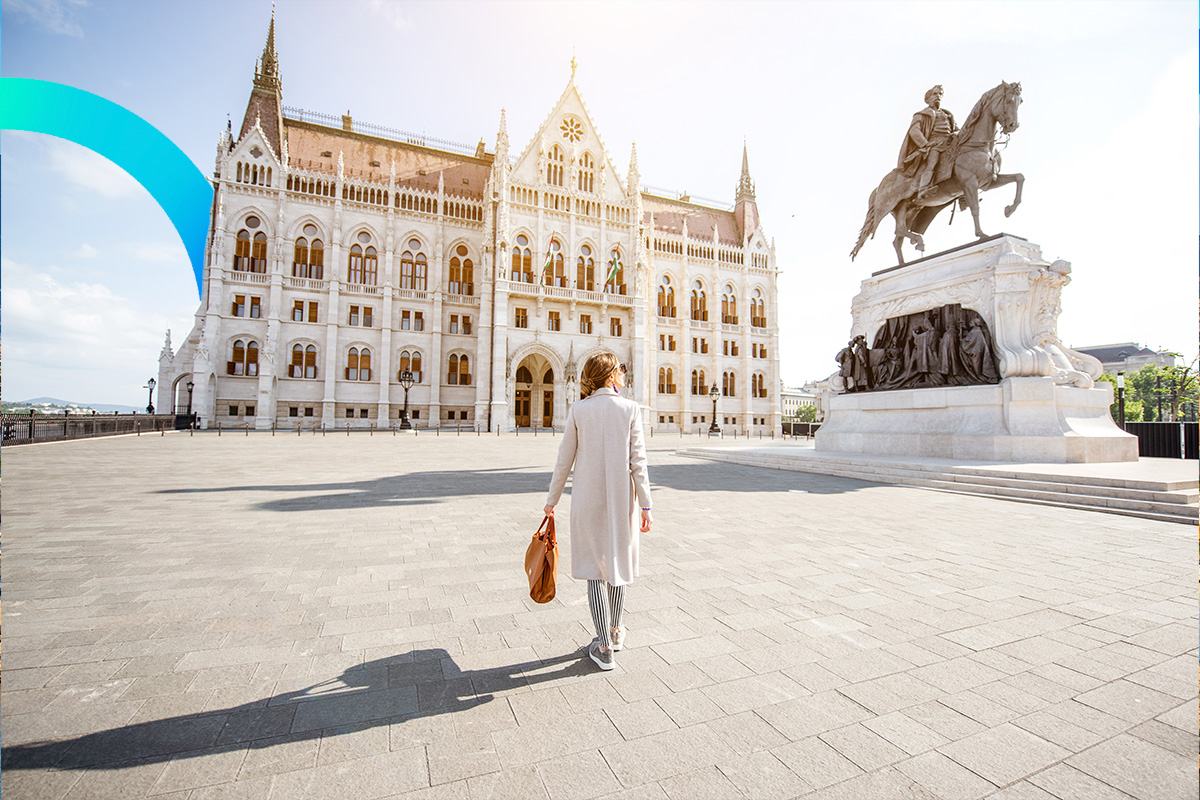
x=1166 y=439
x=34 y=427
x=382 y=131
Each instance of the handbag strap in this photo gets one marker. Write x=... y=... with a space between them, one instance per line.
x=549 y=536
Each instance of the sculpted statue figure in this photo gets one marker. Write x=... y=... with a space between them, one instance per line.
x=928 y=137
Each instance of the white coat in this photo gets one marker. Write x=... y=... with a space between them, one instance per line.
x=603 y=440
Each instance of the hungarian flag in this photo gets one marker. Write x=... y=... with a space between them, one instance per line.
x=549 y=262
x=613 y=266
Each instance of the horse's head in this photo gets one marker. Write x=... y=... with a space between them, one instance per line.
x=1005 y=105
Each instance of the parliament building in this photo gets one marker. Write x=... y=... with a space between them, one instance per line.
x=342 y=254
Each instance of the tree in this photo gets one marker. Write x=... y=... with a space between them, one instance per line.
x=1133 y=408
x=1166 y=393
x=805 y=413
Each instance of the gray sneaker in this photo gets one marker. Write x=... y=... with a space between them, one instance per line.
x=604 y=660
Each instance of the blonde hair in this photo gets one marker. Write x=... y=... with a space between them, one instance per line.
x=596 y=373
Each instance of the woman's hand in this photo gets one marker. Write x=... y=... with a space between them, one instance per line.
x=548 y=511
x=647 y=521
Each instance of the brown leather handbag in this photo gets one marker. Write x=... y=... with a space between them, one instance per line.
x=541 y=562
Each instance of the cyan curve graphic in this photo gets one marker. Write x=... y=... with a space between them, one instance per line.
x=124 y=138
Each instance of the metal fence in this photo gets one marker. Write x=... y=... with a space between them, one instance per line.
x=1166 y=439
x=34 y=427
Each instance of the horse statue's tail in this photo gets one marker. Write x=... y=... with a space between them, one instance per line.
x=868 y=227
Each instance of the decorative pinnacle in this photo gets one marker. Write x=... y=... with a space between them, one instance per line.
x=266 y=72
x=745 y=187
x=574 y=64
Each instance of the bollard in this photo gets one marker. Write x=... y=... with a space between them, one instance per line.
x=246 y=425
x=372 y=429
x=272 y=427
x=218 y=430
x=191 y=431
x=162 y=430
x=439 y=430
x=347 y=428
x=322 y=430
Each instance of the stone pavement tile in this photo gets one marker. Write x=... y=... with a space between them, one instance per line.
x=28 y=701
x=1129 y=701
x=1056 y=673
x=459 y=790
x=866 y=666
x=1182 y=716
x=516 y=783
x=564 y=736
x=128 y=779
x=1163 y=682
x=647 y=791
x=90 y=672
x=708 y=783
x=640 y=718
x=461 y=756
x=222 y=677
x=905 y=732
x=696 y=649
x=689 y=707
x=1004 y=754
x=723 y=668
x=579 y=776
x=957 y=674
x=817 y=763
x=100 y=693
x=1001 y=661
x=745 y=694
x=1012 y=697
x=539 y=706
x=50 y=784
x=979 y=708
x=663 y=755
x=944 y=777
x=1062 y=780
x=1167 y=737
x=1059 y=731
x=362 y=778
x=747 y=733
x=1044 y=688
x=885 y=784
x=266 y=757
x=353 y=741
x=232 y=656
x=866 y=749
x=158 y=685
x=891 y=692
x=200 y=768
x=34 y=678
x=1038 y=650
x=1022 y=790
x=806 y=716
x=682 y=677
x=592 y=693
x=262 y=722
x=348 y=709
x=762 y=775
x=75 y=719
x=414 y=731
x=814 y=677
x=638 y=686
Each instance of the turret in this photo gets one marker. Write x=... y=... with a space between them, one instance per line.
x=266 y=95
x=745 y=208
x=634 y=178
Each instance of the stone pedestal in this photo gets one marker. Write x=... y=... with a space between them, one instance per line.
x=1047 y=406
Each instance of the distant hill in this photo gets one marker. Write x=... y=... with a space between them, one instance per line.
x=55 y=405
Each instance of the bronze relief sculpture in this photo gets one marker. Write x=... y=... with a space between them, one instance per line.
x=941 y=163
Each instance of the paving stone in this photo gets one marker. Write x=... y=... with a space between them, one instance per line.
x=864 y=747
x=762 y=775
x=579 y=776
x=944 y=777
x=363 y=778
x=708 y=783
x=514 y=783
x=663 y=755
x=639 y=719
x=816 y=762
x=1004 y=754
x=905 y=732
x=1139 y=768
x=1062 y=780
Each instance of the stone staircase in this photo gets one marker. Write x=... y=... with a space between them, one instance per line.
x=1157 y=495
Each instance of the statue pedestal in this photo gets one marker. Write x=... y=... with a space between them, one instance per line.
x=1047 y=406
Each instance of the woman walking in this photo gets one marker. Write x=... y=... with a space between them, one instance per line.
x=603 y=442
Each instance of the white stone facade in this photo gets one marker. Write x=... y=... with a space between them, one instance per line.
x=399 y=219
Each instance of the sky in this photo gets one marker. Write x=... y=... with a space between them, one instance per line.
x=93 y=274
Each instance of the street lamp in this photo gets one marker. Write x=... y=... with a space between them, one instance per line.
x=406 y=380
x=714 y=393
x=1158 y=396
x=1121 y=398
x=150 y=398
x=190 y=386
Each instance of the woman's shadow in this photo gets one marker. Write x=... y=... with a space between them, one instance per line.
x=419 y=684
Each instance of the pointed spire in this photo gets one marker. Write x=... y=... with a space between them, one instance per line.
x=266 y=74
x=745 y=187
x=502 y=138
x=634 y=178
x=574 y=64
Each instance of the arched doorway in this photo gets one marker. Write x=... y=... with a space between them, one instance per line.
x=533 y=398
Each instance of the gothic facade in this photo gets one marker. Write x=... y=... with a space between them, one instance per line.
x=341 y=255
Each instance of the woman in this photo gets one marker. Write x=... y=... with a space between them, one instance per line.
x=603 y=441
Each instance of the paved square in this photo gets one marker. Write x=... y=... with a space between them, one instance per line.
x=346 y=617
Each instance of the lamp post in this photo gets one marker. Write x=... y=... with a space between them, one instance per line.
x=714 y=393
x=150 y=397
x=1121 y=399
x=406 y=380
x=190 y=387
x=1158 y=396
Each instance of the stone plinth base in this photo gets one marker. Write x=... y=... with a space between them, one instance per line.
x=1020 y=419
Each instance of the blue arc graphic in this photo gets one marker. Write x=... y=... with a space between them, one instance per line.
x=125 y=139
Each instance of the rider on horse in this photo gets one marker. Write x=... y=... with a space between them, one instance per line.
x=930 y=134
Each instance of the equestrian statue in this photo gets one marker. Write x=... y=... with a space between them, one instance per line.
x=941 y=163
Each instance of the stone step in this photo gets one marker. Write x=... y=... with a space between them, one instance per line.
x=1172 y=506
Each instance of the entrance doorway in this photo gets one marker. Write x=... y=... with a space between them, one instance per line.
x=533 y=401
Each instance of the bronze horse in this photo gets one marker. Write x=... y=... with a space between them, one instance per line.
x=974 y=167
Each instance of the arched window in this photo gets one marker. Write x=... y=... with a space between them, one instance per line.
x=411 y=360
x=459 y=371
x=554 y=166
x=522 y=260
x=699 y=387
x=758 y=310
x=414 y=267
x=462 y=272
x=241 y=252
x=304 y=361
x=729 y=314
x=758 y=385
x=585 y=270
x=524 y=375
x=666 y=380
x=370 y=267
x=728 y=384
x=587 y=173
x=354 y=267
x=666 y=297
x=699 y=302
x=358 y=364
x=555 y=269
x=243 y=359
x=614 y=273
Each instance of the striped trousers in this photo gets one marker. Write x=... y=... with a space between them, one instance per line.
x=605 y=602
